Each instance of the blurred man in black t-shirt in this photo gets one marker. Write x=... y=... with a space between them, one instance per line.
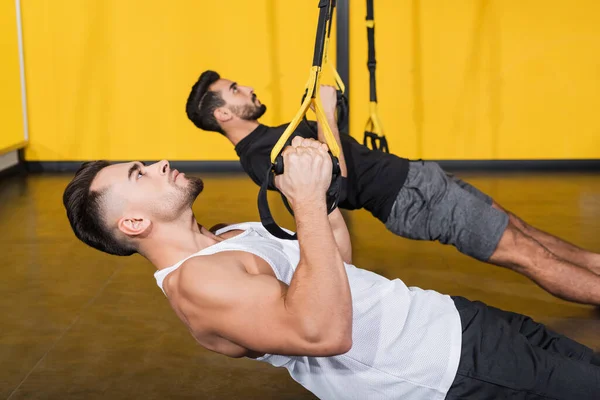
x=414 y=199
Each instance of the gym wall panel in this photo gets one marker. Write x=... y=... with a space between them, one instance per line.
x=109 y=79
x=551 y=87
x=12 y=134
x=482 y=79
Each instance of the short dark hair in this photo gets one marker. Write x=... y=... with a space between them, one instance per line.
x=84 y=210
x=202 y=103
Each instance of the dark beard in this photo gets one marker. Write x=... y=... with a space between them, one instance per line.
x=194 y=187
x=249 y=112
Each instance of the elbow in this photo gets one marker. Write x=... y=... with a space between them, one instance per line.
x=330 y=344
x=339 y=346
x=344 y=345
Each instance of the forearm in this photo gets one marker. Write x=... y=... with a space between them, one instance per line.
x=336 y=134
x=338 y=225
x=319 y=293
x=341 y=235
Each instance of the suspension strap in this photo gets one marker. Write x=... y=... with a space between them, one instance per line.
x=311 y=98
x=342 y=116
x=373 y=129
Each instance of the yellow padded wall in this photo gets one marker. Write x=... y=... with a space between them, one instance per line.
x=482 y=79
x=109 y=78
x=12 y=133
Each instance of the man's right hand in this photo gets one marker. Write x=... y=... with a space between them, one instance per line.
x=328 y=95
x=307 y=172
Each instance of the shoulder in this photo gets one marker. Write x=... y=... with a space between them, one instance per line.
x=201 y=278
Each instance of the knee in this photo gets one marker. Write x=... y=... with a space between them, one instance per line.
x=519 y=223
x=520 y=251
x=516 y=221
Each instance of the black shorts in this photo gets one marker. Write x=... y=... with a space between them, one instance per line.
x=509 y=356
x=435 y=205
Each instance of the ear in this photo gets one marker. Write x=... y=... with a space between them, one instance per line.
x=134 y=226
x=223 y=114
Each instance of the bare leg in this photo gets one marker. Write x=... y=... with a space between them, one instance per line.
x=524 y=254
x=559 y=247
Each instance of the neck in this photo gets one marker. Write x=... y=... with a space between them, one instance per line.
x=170 y=243
x=241 y=129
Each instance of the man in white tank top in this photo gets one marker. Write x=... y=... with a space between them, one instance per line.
x=342 y=332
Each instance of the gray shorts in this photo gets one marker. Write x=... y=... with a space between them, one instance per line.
x=435 y=205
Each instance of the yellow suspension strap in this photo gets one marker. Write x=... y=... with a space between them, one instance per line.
x=311 y=98
x=342 y=99
x=373 y=129
x=342 y=115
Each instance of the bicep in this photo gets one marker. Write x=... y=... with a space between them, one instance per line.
x=250 y=311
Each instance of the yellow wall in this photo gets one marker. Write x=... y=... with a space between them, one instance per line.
x=109 y=78
x=462 y=79
x=11 y=131
x=482 y=79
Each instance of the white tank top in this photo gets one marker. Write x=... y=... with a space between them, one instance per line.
x=406 y=341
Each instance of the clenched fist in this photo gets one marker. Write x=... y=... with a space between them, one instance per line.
x=307 y=172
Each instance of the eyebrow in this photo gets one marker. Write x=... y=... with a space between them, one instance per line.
x=232 y=85
x=135 y=167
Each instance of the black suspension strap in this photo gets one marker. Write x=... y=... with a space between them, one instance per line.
x=373 y=129
x=342 y=116
x=311 y=98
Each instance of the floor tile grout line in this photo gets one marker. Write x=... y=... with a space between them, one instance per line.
x=67 y=329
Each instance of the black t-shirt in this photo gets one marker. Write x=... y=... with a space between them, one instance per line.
x=374 y=177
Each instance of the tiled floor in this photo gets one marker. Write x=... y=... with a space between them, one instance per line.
x=78 y=324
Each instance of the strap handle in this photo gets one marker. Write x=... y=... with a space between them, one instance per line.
x=266 y=217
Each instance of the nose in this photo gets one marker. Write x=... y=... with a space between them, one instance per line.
x=249 y=89
x=163 y=167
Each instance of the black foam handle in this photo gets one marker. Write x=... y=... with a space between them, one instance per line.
x=278 y=165
x=266 y=218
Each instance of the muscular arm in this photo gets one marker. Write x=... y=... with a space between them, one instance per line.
x=320 y=280
x=311 y=317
